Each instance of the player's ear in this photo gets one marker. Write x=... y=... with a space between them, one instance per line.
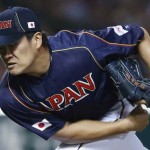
x=38 y=39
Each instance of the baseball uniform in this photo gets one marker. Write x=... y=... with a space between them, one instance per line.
x=76 y=86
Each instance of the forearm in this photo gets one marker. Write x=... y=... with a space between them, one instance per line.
x=88 y=131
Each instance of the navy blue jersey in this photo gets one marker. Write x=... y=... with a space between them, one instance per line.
x=76 y=86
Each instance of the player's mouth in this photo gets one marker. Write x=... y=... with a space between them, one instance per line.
x=11 y=65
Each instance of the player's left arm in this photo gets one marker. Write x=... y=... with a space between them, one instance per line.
x=144 y=48
x=84 y=131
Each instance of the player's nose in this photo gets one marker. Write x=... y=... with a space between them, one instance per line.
x=7 y=53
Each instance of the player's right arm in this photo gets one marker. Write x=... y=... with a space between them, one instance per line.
x=89 y=130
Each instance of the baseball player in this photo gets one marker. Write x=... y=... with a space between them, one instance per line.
x=57 y=86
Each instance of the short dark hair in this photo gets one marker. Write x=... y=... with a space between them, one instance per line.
x=29 y=36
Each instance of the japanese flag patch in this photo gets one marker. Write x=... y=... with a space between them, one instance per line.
x=31 y=25
x=44 y=124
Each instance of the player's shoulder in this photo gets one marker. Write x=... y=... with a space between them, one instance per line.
x=63 y=39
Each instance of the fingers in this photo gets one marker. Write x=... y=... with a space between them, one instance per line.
x=139 y=110
x=142 y=104
x=145 y=108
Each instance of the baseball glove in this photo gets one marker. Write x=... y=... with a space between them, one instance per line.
x=128 y=79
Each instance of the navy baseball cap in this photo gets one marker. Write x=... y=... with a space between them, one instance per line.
x=16 y=22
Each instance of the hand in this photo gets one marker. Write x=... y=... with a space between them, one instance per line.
x=138 y=119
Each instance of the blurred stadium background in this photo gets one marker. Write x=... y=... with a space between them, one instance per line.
x=56 y=15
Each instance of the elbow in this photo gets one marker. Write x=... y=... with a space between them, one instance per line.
x=68 y=140
x=67 y=135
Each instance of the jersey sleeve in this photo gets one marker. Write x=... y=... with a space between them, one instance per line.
x=27 y=114
x=42 y=124
x=105 y=45
x=113 y=42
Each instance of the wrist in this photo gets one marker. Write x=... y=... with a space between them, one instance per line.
x=125 y=125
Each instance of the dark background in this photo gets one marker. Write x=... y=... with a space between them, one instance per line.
x=57 y=15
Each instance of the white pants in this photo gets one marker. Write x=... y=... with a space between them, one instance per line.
x=127 y=141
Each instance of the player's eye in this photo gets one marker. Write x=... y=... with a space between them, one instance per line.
x=3 y=49
x=12 y=47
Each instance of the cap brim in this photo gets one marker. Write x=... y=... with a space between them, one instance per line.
x=10 y=39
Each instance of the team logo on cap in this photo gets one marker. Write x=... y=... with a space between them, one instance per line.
x=5 y=24
x=31 y=25
x=44 y=124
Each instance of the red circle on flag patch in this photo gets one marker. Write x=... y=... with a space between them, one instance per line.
x=41 y=125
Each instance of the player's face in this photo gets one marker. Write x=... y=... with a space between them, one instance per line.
x=20 y=57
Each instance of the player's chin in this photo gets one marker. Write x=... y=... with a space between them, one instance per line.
x=15 y=72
